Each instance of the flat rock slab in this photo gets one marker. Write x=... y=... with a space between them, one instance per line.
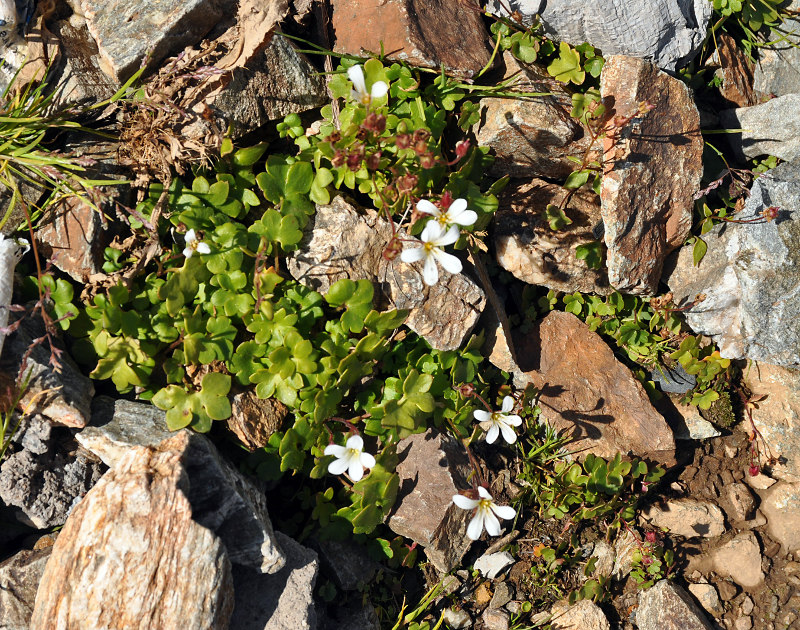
x=343 y=243
x=740 y=559
x=19 y=580
x=781 y=506
x=687 y=517
x=127 y=32
x=131 y=555
x=433 y=467
x=668 y=32
x=750 y=276
x=427 y=33
x=527 y=247
x=652 y=171
x=583 y=615
x=222 y=499
x=760 y=135
x=666 y=606
x=588 y=394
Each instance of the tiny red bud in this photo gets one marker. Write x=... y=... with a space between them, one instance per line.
x=402 y=141
x=754 y=470
x=771 y=213
x=374 y=161
x=446 y=201
x=427 y=160
x=650 y=537
x=462 y=147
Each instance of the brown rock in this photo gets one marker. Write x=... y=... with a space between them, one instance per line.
x=343 y=243
x=427 y=33
x=688 y=518
x=781 y=505
x=131 y=556
x=740 y=559
x=433 y=467
x=583 y=615
x=666 y=606
x=652 y=171
x=738 y=502
x=19 y=579
x=588 y=394
x=253 y=420
x=736 y=72
x=527 y=247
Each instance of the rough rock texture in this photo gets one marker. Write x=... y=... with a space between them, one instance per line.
x=126 y=32
x=359 y=570
x=760 y=135
x=687 y=517
x=64 y=397
x=666 y=606
x=341 y=243
x=492 y=564
x=778 y=69
x=253 y=420
x=708 y=597
x=222 y=499
x=740 y=559
x=131 y=556
x=588 y=394
x=495 y=619
x=735 y=72
x=652 y=171
x=668 y=32
x=282 y=601
x=19 y=579
x=777 y=418
x=277 y=82
x=427 y=33
x=781 y=505
x=738 y=502
x=750 y=276
x=433 y=467
x=584 y=615
x=527 y=247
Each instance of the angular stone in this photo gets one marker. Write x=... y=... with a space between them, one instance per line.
x=584 y=615
x=738 y=502
x=707 y=595
x=433 y=467
x=19 y=579
x=588 y=394
x=457 y=619
x=222 y=499
x=492 y=564
x=666 y=606
x=342 y=243
x=781 y=505
x=673 y=381
x=652 y=171
x=736 y=72
x=131 y=555
x=740 y=559
x=668 y=32
x=253 y=420
x=126 y=33
x=777 y=70
x=495 y=619
x=426 y=33
x=281 y=601
x=359 y=569
x=503 y=593
x=277 y=82
x=527 y=247
x=760 y=135
x=750 y=277
x=688 y=518
x=64 y=396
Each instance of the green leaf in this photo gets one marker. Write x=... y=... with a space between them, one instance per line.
x=556 y=218
x=592 y=253
x=576 y=179
x=699 y=250
x=567 y=67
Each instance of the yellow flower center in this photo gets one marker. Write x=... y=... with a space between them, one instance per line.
x=428 y=247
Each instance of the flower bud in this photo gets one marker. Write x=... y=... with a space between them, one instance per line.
x=402 y=141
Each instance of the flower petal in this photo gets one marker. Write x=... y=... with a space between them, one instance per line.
x=355 y=441
x=475 y=527
x=379 y=88
x=506 y=512
x=423 y=205
x=483 y=493
x=356 y=470
x=457 y=207
x=356 y=75
x=449 y=237
x=188 y=251
x=203 y=248
x=338 y=466
x=468 y=217
x=482 y=415
x=448 y=261
x=508 y=433
x=492 y=524
x=465 y=503
x=491 y=434
x=430 y=273
x=335 y=450
x=190 y=237
x=412 y=255
x=367 y=460
x=431 y=233
x=512 y=420
x=508 y=404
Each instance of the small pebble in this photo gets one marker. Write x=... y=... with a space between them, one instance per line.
x=743 y=623
x=503 y=593
x=746 y=606
x=492 y=565
x=495 y=619
x=457 y=619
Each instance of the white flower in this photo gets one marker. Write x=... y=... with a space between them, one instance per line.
x=194 y=245
x=350 y=458
x=359 y=92
x=485 y=515
x=434 y=238
x=499 y=422
x=456 y=214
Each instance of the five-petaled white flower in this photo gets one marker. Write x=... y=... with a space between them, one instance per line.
x=359 y=92
x=496 y=422
x=434 y=238
x=486 y=513
x=349 y=457
x=456 y=214
x=193 y=244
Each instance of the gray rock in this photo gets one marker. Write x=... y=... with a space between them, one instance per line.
x=35 y=434
x=777 y=69
x=359 y=569
x=19 y=579
x=343 y=243
x=674 y=380
x=750 y=277
x=457 y=619
x=495 y=619
x=666 y=606
x=503 y=593
x=760 y=135
x=668 y=32
x=222 y=499
x=584 y=615
x=433 y=467
x=281 y=601
x=492 y=564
